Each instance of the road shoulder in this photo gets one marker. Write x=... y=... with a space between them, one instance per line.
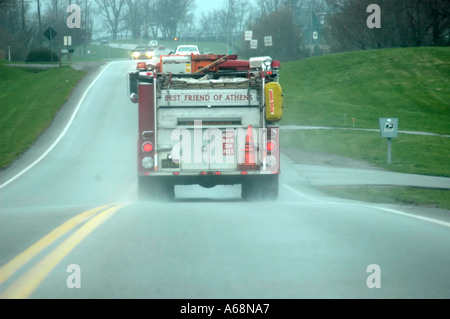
x=47 y=138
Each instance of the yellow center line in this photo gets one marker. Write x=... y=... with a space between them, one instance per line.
x=12 y=266
x=26 y=284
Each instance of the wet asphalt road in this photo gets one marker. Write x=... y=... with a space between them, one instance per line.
x=208 y=243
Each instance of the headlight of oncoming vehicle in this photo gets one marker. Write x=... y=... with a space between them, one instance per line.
x=147 y=162
x=149 y=54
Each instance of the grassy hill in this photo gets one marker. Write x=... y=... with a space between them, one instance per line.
x=412 y=84
x=28 y=103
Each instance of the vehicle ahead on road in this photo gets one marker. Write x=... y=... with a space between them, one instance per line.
x=187 y=50
x=153 y=44
x=142 y=52
x=207 y=120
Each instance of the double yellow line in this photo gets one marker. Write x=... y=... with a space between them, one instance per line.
x=28 y=282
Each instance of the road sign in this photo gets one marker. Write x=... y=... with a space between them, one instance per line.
x=268 y=41
x=388 y=127
x=50 y=33
x=253 y=44
x=248 y=35
x=67 y=40
x=389 y=130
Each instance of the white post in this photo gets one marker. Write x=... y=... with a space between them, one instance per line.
x=389 y=140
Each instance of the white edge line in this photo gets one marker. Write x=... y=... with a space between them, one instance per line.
x=66 y=128
x=388 y=210
x=399 y=212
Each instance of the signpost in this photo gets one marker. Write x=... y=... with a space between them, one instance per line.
x=50 y=34
x=67 y=44
x=248 y=35
x=389 y=130
x=268 y=41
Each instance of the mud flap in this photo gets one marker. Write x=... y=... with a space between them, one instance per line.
x=261 y=187
x=152 y=188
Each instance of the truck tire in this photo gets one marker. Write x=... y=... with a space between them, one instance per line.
x=155 y=189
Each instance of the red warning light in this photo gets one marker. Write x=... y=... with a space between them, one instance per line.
x=271 y=146
x=147 y=147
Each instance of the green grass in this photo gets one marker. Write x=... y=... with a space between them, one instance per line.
x=95 y=52
x=415 y=154
x=28 y=103
x=434 y=198
x=412 y=84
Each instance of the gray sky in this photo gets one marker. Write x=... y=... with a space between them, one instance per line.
x=208 y=5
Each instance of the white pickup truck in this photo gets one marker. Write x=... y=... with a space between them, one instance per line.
x=187 y=50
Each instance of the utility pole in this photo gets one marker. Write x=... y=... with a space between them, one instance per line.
x=85 y=25
x=40 y=23
x=23 y=15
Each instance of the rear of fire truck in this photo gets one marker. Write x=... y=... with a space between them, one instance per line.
x=208 y=120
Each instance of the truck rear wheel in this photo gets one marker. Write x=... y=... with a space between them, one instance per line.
x=155 y=189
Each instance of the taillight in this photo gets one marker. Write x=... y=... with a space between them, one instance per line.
x=147 y=147
x=141 y=66
x=147 y=162
x=271 y=146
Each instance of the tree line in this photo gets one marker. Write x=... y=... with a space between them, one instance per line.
x=404 y=23
x=299 y=28
x=24 y=22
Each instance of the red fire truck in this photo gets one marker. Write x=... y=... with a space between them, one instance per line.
x=207 y=120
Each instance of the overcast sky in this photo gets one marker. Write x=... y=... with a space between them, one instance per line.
x=208 y=5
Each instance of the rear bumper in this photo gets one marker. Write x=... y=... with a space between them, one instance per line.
x=208 y=179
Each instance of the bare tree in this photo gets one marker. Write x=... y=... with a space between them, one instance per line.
x=134 y=19
x=233 y=18
x=285 y=31
x=438 y=12
x=404 y=23
x=149 y=17
x=211 y=24
x=15 y=32
x=171 y=14
x=113 y=14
